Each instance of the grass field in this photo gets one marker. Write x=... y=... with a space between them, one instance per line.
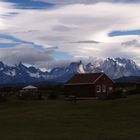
x=61 y=120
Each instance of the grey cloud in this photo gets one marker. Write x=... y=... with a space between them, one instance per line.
x=130 y=1
x=134 y=43
x=71 y=1
x=26 y=54
x=86 y=42
x=84 y=1
x=60 y=63
x=62 y=28
x=53 y=48
x=93 y=22
x=52 y=38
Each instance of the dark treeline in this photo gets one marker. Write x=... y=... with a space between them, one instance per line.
x=55 y=91
x=124 y=85
x=48 y=87
x=48 y=91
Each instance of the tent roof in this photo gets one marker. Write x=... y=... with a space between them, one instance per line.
x=30 y=87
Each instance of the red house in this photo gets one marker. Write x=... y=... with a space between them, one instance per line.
x=89 y=85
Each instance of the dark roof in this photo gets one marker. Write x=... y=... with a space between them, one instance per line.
x=87 y=78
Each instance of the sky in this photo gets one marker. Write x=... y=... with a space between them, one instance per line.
x=48 y=33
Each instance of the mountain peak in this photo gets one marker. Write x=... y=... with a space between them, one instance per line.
x=76 y=67
x=20 y=64
x=113 y=67
x=1 y=64
x=81 y=68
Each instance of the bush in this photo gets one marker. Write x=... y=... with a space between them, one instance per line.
x=3 y=97
x=27 y=95
x=53 y=96
x=133 y=91
x=118 y=93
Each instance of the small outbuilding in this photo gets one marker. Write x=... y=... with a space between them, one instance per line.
x=30 y=88
x=89 y=85
x=28 y=92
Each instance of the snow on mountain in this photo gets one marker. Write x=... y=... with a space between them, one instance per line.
x=113 y=67
x=10 y=73
x=81 y=68
x=35 y=75
x=19 y=74
x=77 y=67
x=62 y=74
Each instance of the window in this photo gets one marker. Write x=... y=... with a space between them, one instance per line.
x=98 y=88
x=110 y=88
x=104 y=88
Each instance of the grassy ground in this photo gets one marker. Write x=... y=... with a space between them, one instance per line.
x=61 y=120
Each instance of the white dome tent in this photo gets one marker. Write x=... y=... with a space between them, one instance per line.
x=29 y=92
x=30 y=88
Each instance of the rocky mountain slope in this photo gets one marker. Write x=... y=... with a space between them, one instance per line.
x=113 y=67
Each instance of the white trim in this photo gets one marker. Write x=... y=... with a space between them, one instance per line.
x=101 y=76
x=110 y=78
x=98 y=78
x=110 y=88
x=104 y=88
x=98 y=88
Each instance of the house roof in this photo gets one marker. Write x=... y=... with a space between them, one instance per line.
x=30 y=87
x=88 y=78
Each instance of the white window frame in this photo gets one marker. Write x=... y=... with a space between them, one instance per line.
x=104 y=88
x=98 y=88
x=110 y=88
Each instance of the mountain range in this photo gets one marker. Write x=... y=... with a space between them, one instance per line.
x=113 y=67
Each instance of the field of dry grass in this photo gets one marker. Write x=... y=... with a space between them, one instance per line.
x=61 y=120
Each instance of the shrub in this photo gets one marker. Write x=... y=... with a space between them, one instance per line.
x=133 y=91
x=118 y=93
x=27 y=95
x=3 y=97
x=53 y=96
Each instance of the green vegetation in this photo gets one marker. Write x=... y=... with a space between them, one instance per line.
x=61 y=120
x=53 y=96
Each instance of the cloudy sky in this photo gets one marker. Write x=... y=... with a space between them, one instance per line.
x=45 y=33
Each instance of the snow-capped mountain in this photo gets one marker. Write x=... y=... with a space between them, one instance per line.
x=19 y=74
x=77 y=67
x=62 y=74
x=113 y=67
